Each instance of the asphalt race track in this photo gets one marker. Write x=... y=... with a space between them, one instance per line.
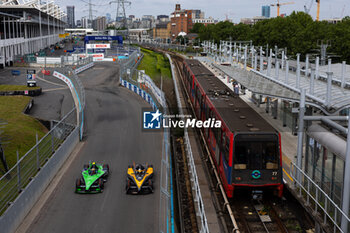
x=113 y=136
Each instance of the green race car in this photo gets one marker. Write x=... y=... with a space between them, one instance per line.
x=93 y=177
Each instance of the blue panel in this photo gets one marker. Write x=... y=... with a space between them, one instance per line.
x=104 y=38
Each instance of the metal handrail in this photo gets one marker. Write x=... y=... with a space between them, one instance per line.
x=295 y=170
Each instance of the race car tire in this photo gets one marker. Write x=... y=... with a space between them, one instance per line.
x=127 y=185
x=106 y=167
x=77 y=183
x=86 y=166
x=100 y=183
x=150 y=183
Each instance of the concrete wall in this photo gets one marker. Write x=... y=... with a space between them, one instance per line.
x=15 y=214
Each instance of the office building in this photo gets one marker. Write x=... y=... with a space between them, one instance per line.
x=70 y=17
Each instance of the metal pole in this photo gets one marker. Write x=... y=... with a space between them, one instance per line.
x=267 y=108
x=282 y=60
x=37 y=152
x=275 y=109
x=18 y=173
x=343 y=74
x=261 y=61
x=300 y=132
x=307 y=65
x=276 y=52
x=277 y=69
x=312 y=83
x=317 y=67
x=329 y=89
x=52 y=139
x=268 y=72
x=245 y=57
x=284 y=114
x=256 y=62
x=346 y=187
x=252 y=51
x=329 y=65
x=298 y=71
x=287 y=71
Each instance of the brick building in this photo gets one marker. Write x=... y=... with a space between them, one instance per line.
x=181 y=21
x=162 y=31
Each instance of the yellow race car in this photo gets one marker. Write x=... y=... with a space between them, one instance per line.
x=139 y=179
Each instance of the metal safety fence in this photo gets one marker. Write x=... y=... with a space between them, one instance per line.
x=156 y=44
x=318 y=200
x=21 y=174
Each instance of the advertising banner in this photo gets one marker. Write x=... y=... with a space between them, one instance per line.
x=98 y=46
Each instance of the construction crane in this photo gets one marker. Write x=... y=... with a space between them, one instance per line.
x=281 y=4
x=318 y=10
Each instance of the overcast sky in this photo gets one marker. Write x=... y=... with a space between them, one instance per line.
x=234 y=9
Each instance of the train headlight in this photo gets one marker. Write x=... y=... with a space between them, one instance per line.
x=238 y=178
x=273 y=178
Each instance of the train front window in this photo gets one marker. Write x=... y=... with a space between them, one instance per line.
x=256 y=155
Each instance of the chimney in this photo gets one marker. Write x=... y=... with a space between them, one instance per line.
x=177 y=7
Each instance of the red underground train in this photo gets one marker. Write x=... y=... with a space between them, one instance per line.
x=246 y=149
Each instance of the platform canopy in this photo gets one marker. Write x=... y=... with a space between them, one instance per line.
x=286 y=88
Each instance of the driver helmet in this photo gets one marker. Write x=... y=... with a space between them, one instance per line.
x=93 y=171
x=138 y=169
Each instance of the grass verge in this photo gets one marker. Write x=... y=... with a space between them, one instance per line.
x=16 y=88
x=156 y=65
x=21 y=129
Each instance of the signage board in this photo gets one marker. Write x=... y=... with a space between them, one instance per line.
x=98 y=57
x=98 y=46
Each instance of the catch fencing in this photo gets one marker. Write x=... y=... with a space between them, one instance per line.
x=23 y=172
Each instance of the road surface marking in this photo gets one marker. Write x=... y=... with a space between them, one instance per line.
x=57 y=84
x=55 y=89
x=288 y=175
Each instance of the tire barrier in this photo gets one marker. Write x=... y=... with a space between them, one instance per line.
x=35 y=92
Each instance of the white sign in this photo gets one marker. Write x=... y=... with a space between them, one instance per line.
x=98 y=46
x=98 y=57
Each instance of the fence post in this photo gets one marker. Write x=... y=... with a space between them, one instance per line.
x=287 y=71
x=18 y=173
x=346 y=198
x=329 y=89
x=37 y=152
x=300 y=133
x=52 y=141
x=298 y=71
x=343 y=74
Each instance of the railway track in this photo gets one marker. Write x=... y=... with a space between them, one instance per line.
x=258 y=216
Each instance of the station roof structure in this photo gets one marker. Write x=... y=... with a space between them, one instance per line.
x=261 y=83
